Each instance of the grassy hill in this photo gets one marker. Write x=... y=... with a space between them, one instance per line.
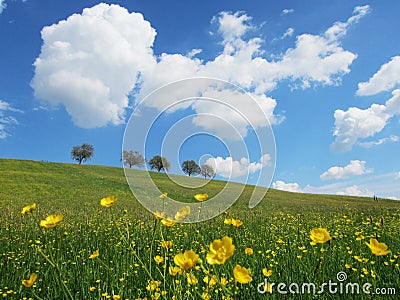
x=271 y=241
x=69 y=187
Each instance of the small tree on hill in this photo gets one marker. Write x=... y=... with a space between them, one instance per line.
x=133 y=158
x=159 y=163
x=190 y=167
x=207 y=171
x=82 y=153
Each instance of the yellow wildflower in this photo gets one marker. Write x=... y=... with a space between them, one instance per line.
x=182 y=213
x=51 y=221
x=175 y=270
x=166 y=244
x=163 y=195
x=191 y=279
x=94 y=254
x=248 y=251
x=237 y=223
x=159 y=215
x=116 y=297
x=108 y=201
x=186 y=260
x=210 y=281
x=201 y=197
x=220 y=251
x=377 y=248
x=158 y=259
x=228 y=221
x=267 y=272
x=168 y=222
x=28 y=283
x=28 y=209
x=241 y=274
x=319 y=235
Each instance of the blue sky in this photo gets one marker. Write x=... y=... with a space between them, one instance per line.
x=326 y=75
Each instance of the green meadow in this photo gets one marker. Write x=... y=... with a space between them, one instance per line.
x=271 y=241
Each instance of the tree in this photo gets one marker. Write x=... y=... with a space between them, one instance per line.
x=133 y=158
x=207 y=171
x=190 y=167
x=159 y=163
x=82 y=153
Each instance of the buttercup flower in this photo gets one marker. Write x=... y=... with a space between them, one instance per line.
x=158 y=259
x=236 y=223
x=377 y=248
x=108 y=201
x=51 y=221
x=182 y=213
x=159 y=215
x=228 y=221
x=267 y=272
x=220 y=251
x=248 y=251
x=186 y=260
x=319 y=235
x=241 y=275
x=191 y=278
x=166 y=244
x=28 y=283
x=94 y=254
x=174 y=270
x=168 y=222
x=201 y=197
x=163 y=195
x=28 y=209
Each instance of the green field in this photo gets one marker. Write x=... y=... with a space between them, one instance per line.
x=128 y=238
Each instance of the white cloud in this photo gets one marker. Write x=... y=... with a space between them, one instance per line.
x=6 y=120
x=355 y=190
x=354 y=168
x=289 y=32
x=287 y=11
x=3 y=5
x=355 y=123
x=387 y=78
x=390 y=139
x=397 y=175
x=90 y=62
x=232 y=26
x=289 y=187
x=229 y=168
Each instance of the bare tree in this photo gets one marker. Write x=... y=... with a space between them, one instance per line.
x=190 y=167
x=207 y=171
x=159 y=163
x=133 y=158
x=82 y=153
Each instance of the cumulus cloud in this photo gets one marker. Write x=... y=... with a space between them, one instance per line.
x=354 y=168
x=289 y=187
x=91 y=61
x=352 y=190
x=6 y=119
x=229 y=168
x=355 y=190
x=385 y=79
x=355 y=123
